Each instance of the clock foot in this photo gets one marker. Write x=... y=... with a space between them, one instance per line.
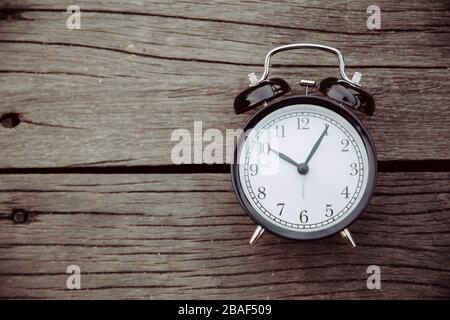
x=258 y=233
x=348 y=237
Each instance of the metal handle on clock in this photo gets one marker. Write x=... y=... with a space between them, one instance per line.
x=354 y=81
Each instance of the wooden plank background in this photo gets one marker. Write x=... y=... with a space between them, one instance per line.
x=90 y=160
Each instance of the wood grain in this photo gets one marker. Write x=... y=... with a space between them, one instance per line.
x=113 y=92
x=320 y=15
x=109 y=96
x=185 y=236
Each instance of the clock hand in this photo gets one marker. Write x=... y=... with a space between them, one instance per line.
x=316 y=145
x=302 y=186
x=300 y=168
x=303 y=168
x=284 y=157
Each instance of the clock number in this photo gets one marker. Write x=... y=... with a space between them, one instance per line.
x=345 y=144
x=253 y=169
x=302 y=123
x=354 y=168
x=282 y=207
x=279 y=131
x=261 y=193
x=329 y=211
x=263 y=148
x=345 y=193
x=303 y=216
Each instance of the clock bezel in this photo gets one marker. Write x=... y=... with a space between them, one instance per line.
x=371 y=181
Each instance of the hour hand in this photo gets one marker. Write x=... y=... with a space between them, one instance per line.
x=284 y=157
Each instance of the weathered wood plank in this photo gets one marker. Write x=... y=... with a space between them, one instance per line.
x=337 y=16
x=64 y=80
x=231 y=43
x=185 y=236
x=73 y=116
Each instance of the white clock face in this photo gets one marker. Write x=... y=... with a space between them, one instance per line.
x=303 y=168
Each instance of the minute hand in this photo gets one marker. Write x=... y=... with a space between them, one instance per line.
x=317 y=144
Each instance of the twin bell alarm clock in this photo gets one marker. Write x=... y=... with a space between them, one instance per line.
x=305 y=167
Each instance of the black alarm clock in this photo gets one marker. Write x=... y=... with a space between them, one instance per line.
x=305 y=167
